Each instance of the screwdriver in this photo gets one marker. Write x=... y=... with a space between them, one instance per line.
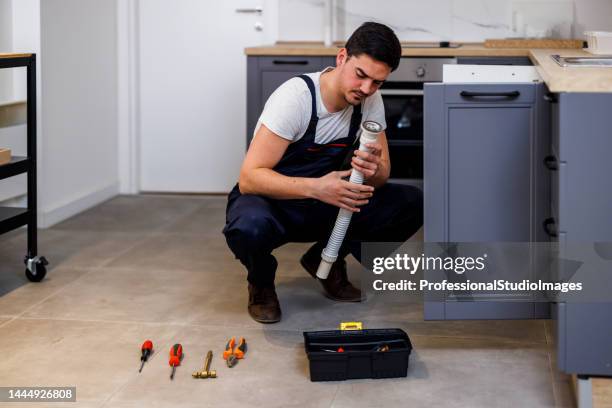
x=146 y=349
x=176 y=354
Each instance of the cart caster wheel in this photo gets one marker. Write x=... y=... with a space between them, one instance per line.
x=36 y=268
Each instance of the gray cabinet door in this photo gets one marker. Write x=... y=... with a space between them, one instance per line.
x=484 y=180
x=265 y=74
x=488 y=168
x=581 y=205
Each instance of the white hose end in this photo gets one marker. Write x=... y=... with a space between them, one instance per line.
x=324 y=268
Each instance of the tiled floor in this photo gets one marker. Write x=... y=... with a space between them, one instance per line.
x=157 y=267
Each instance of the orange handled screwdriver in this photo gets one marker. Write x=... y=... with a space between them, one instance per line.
x=146 y=349
x=176 y=354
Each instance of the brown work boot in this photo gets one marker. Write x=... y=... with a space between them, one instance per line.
x=263 y=304
x=337 y=286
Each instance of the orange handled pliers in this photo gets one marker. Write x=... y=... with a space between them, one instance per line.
x=234 y=352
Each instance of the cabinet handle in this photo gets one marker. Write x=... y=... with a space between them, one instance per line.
x=548 y=227
x=549 y=97
x=285 y=62
x=257 y=9
x=551 y=163
x=509 y=95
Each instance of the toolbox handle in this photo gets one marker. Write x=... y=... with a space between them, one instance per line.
x=367 y=343
x=346 y=326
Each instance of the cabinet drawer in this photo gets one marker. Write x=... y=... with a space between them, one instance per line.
x=490 y=94
x=301 y=64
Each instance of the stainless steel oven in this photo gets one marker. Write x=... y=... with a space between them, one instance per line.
x=403 y=99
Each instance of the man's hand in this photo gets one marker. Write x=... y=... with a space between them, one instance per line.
x=332 y=189
x=368 y=163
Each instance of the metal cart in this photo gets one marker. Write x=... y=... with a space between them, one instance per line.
x=12 y=218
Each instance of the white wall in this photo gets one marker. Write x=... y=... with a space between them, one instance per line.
x=19 y=32
x=26 y=38
x=436 y=20
x=6 y=45
x=78 y=162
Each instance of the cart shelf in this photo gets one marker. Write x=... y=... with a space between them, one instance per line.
x=17 y=165
x=10 y=217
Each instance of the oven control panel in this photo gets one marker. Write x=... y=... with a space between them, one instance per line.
x=415 y=69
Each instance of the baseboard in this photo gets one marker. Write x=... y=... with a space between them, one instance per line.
x=48 y=218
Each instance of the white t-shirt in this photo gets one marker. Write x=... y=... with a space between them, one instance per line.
x=287 y=112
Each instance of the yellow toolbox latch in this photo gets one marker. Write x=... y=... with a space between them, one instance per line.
x=344 y=326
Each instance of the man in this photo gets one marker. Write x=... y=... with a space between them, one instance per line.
x=291 y=186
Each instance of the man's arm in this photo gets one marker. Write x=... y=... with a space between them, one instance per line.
x=258 y=177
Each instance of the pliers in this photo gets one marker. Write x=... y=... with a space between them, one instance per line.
x=234 y=352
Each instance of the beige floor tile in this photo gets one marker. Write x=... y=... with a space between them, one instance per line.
x=97 y=358
x=76 y=404
x=303 y=306
x=85 y=248
x=273 y=374
x=564 y=394
x=161 y=265
x=137 y=294
x=195 y=403
x=182 y=251
x=136 y=213
x=19 y=300
x=459 y=373
x=209 y=219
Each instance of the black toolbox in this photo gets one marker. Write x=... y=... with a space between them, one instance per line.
x=349 y=354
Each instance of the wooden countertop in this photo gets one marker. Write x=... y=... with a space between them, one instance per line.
x=570 y=79
x=558 y=79
x=318 y=49
x=5 y=55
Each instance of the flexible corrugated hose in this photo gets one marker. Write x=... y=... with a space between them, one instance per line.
x=369 y=133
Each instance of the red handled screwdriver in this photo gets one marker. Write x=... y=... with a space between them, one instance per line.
x=176 y=354
x=146 y=349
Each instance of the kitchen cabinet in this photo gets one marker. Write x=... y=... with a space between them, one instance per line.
x=485 y=180
x=265 y=74
x=581 y=200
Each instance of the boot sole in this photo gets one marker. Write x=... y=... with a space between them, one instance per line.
x=265 y=321
x=325 y=293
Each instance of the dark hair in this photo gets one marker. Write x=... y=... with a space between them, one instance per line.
x=377 y=41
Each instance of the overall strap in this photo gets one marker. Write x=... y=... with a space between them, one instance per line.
x=355 y=123
x=314 y=119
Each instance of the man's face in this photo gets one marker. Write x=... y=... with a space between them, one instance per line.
x=360 y=76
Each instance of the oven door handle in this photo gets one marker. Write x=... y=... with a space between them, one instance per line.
x=401 y=92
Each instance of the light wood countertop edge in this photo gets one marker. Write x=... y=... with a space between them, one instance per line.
x=5 y=55
x=557 y=78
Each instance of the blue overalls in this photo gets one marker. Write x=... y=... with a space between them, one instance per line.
x=256 y=225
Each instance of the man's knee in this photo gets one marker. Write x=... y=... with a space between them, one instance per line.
x=250 y=231
x=403 y=207
x=413 y=197
x=406 y=198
